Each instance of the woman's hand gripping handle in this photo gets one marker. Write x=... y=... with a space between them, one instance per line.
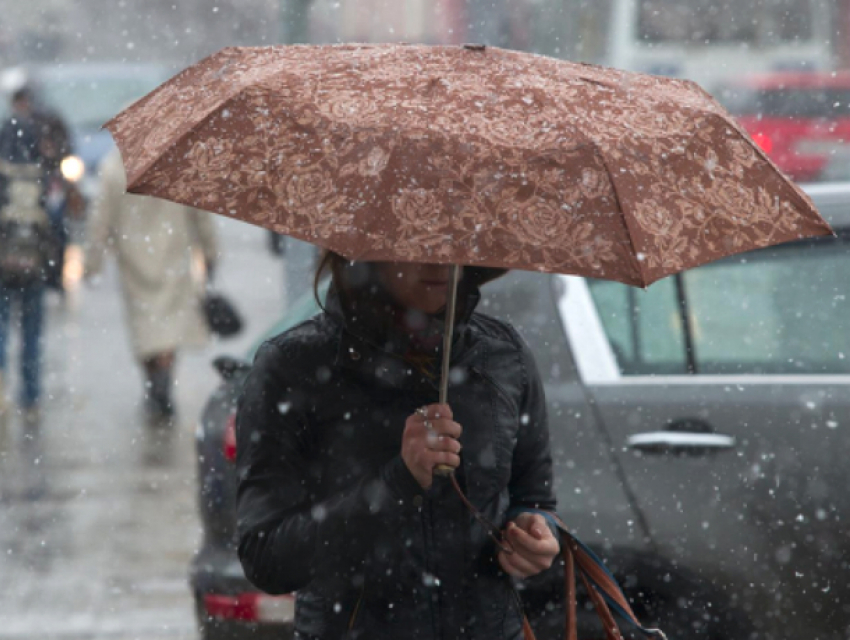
x=430 y=443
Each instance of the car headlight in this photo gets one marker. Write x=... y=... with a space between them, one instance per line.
x=72 y=168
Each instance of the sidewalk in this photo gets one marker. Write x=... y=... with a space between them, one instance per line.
x=99 y=517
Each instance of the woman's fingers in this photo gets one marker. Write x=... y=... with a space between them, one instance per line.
x=430 y=440
x=534 y=540
x=436 y=458
x=517 y=566
x=435 y=411
x=437 y=418
x=443 y=443
x=443 y=427
x=534 y=546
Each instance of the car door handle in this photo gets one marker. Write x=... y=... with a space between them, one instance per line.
x=679 y=442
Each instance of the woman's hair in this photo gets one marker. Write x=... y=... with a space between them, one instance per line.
x=348 y=277
x=340 y=273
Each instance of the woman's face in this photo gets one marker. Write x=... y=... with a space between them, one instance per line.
x=423 y=287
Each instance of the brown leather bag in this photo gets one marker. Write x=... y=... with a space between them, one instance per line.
x=601 y=586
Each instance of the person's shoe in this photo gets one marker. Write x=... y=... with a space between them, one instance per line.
x=32 y=416
x=159 y=401
x=159 y=411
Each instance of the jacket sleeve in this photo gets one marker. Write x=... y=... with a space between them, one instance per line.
x=531 y=477
x=205 y=234
x=286 y=535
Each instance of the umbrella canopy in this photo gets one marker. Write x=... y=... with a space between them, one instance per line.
x=463 y=155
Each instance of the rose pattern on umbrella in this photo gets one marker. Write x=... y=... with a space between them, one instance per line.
x=374 y=163
x=450 y=155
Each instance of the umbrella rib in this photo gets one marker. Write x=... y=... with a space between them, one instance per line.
x=800 y=200
x=166 y=85
x=185 y=134
x=190 y=128
x=635 y=252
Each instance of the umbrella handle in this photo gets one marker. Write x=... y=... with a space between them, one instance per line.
x=448 y=334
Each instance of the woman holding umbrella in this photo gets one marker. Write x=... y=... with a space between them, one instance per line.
x=459 y=156
x=338 y=441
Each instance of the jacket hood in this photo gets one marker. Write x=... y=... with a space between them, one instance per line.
x=377 y=330
x=482 y=275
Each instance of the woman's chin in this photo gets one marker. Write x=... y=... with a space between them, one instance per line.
x=433 y=305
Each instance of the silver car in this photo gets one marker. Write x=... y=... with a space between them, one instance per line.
x=700 y=431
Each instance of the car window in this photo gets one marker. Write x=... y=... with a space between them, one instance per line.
x=783 y=311
x=776 y=311
x=644 y=327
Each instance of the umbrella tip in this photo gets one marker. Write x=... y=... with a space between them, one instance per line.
x=475 y=47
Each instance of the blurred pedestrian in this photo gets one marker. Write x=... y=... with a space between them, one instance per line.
x=64 y=199
x=337 y=443
x=154 y=242
x=25 y=247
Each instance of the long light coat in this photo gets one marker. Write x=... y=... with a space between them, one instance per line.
x=154 y=242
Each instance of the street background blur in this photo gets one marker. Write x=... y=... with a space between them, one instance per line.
x=98 y=514
x=184 y=31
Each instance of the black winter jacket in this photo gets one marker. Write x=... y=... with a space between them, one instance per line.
x=327 y=507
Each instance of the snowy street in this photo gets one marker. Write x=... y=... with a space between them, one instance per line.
x=99 y=517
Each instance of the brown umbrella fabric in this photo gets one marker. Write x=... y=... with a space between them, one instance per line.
x=464 y=155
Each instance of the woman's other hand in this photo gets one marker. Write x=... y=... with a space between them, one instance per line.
x=533 y=543
x=430 y=439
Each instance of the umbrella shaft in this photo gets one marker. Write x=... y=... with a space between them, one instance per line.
x=448 y=334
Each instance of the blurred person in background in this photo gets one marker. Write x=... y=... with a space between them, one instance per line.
x=64 y=199
x=26 y=242
x=154 y=242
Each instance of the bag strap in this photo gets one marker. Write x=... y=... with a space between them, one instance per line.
x=603 y=589
x=601 y=585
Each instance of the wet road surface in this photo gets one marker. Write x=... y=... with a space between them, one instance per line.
x=98 y=519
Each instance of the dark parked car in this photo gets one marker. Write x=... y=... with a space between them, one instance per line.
x=700 y=431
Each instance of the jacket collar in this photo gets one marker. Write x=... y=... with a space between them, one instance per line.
x=371 y=351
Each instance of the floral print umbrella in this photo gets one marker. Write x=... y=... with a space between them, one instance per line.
x=463 y=155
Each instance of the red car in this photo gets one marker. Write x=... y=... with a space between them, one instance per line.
x=799 y=118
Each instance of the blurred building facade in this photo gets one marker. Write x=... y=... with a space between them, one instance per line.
x=179 y=31
x=182 y=31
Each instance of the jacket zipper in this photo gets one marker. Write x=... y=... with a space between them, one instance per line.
x=427 y=530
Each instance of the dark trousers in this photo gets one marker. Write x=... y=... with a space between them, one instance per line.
x=31 y=301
